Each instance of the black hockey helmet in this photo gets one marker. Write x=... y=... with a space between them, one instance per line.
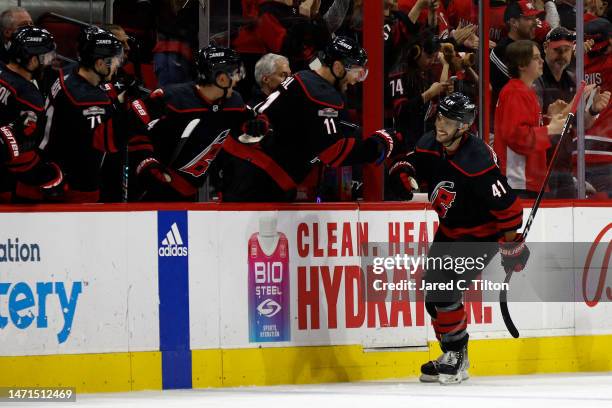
x=346 y=50
x=97 y=43
x=213 y=60
x=29 y=41
x=457 y=106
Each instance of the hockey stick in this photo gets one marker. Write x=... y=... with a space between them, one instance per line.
x=179 y=147
x=503 y=294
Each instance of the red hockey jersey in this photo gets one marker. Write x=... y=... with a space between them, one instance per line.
x=598 y=138
x=598 y=71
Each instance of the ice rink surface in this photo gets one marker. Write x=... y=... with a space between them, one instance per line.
x=559 y=390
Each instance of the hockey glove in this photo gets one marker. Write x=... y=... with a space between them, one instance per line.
x=514 y=254
x=401 y=179
x=55 y=188
x=44 y=182
x=388 y=139
x=9 y=148
x=12 y=141
x=152 y=171
x=26 y=124
x=157 y=177
x=256 y=127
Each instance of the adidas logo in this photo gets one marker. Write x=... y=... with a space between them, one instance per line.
x=172 y=245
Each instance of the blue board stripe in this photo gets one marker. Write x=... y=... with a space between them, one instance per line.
x=173 y=278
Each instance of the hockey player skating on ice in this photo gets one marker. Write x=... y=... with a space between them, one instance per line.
x=474 y=204
x=305 y=116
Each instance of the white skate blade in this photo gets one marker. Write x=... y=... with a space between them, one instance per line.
x=447 y=379
x=426 y=378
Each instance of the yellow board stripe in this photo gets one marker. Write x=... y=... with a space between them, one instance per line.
x=107 y=372
x=115 y=372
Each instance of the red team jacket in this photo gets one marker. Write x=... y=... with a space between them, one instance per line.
x=466 y=12
x=520 y=139
x=598 y=138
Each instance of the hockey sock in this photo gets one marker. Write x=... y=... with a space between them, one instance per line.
x=450 y=326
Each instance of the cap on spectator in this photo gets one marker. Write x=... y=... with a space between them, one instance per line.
x=560 y=36
x=598 y=30
x=521 y=8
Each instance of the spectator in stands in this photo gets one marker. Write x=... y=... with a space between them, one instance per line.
x=598 y=61
x=520 y=17
x=335 y=14
x=598 y=137
x=555 y=89
x=399 y=28
x=270 y=71
x=429 y=13
x=567 y=11
x=125 y=86
x=281 y=27
x=464 y=14
x=11 y=19
x=121 y=35
x=594 y=9
x=521 y=139
x=177 y=35
x=557 y=81
x=414 y=88
x=549 y=7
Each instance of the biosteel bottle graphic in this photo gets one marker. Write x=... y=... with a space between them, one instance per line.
x=269 y=298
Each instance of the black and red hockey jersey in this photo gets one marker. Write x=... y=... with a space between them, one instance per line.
x=398 y=30
x=22 y=119
x=466 y=188
x=81 y=133
x=177 y=128
x=306 y=115
x=411 y=114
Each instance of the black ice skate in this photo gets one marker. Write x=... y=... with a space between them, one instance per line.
x=429 y=370
x=452 y=367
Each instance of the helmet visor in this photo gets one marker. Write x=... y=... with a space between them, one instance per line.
x=116 y=60
x=357 y=71
x=238 y=73
x=47 y=58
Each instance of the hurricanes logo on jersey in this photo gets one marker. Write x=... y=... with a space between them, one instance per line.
x=200 y=164
x=443 y=197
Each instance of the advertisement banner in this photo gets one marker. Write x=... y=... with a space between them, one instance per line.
x=67 y=281
x=269 y=293
x=173 y=275
x=176 y=281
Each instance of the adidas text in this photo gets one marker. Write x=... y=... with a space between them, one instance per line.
x=172 y=251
